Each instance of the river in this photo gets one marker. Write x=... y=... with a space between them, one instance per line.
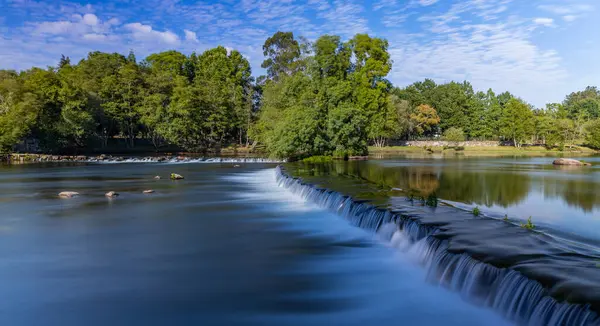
x=225 y=246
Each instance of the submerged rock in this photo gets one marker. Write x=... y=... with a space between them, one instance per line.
x=111 y=194
x=175 y=176
x=68 y=194
x=569 y=161
x=149 y=191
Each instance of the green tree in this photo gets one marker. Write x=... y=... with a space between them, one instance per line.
x=593 y=134
x=282 y=52
x=517 y=122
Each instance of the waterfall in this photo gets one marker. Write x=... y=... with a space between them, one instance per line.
x=181 y=160
x=516 y=297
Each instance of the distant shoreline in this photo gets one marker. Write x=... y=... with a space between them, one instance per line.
x=481 y=151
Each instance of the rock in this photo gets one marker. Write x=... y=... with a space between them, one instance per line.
x=149 y=191
x=111 y=194
x=175 y=176
x=569 y=161
x=157 y=177
x=68 y=194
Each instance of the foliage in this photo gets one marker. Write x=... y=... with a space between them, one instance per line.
x=517 y=122
x=424 y=118
x=330 y=97
x=593 y=134
x=318 y=159
x=454 y=135
x=476 y=211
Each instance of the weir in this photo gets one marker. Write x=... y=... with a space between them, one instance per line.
x=520 y=298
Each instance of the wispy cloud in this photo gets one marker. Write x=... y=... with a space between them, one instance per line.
x=489 y=42
x=544 y=21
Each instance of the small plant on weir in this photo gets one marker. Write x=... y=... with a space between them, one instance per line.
x=529 y=225
x=505 y=219
x=476 y=211
x=432 y=200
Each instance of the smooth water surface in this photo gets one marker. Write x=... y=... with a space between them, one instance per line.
x=225 y=246
x=562 y=199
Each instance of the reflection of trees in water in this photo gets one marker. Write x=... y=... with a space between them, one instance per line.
x=576 y=193
x=485 y=188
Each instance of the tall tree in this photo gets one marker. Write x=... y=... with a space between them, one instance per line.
x=517 y=122
x=282 y=52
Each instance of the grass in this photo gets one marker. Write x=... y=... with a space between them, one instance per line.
x=505 y=219
x=476 y=211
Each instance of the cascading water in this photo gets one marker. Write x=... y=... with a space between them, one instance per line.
x=516 y=297
x=184 y=160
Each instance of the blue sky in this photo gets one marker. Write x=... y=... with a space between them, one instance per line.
x=539 y=50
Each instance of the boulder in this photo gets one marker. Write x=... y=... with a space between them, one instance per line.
x=175 y=176
x=111 y=194
x=569 y=161
x=68 y=194
x=149 y=191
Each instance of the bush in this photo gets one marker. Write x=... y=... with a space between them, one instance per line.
x=476 y=211
x=318 y=159
x=454 y=135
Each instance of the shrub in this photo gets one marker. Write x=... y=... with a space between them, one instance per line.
x=454 y=135
x=476 y=211
x=432 y=200
x=529 y=225
x=318 y=159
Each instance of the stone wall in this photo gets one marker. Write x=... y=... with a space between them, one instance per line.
x=442 y=143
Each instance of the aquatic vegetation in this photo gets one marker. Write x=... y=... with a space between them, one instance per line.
x=505 y=219
x=318 y=159
x=529 y=225
x=476 y=211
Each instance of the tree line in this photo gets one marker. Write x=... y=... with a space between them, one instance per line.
x=327 y=97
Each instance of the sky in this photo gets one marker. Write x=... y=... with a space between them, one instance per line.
x=539 y=50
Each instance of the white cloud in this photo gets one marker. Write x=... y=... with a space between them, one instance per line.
x=427 y=2
x=190 y=36
x=566 y=8
x=90 y=19
x=54 y=28
x=569 y=18
x=544 y=21
x=145 y=33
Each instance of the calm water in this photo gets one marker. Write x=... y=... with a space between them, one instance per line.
x=224 y=246
x=563 y=200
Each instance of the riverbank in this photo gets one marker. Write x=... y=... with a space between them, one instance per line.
x=163 y=158
x=482 y=151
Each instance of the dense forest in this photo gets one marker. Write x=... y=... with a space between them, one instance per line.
x=327 y=97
